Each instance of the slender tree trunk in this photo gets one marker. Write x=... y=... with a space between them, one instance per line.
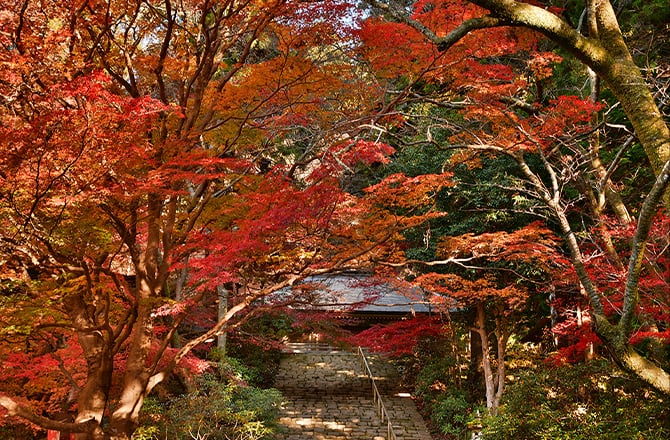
x=223 y=309
x=179 y=296
x=589 y=352
x=475 y=367
x=486 y=361
x=499 y=379
x=605 y=191
x=494 y=382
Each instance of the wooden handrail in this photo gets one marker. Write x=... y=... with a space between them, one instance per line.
x=377 y=397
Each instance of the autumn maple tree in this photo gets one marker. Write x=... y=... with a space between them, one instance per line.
x=498 y=87
x=498 y=293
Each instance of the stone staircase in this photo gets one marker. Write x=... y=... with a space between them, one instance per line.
x=328 y=397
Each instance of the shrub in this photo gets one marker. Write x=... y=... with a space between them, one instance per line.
x=448 y=406
x=582 y=401
x=223 y=407
x=257 y=347
x=436 y=376
x=451 y=413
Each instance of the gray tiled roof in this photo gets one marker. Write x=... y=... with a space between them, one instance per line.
x=360 y=293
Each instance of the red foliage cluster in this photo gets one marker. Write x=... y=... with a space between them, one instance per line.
x=565 y=115
x=532 y=242
x=541 y=64
x=574 y=331
x=50 y=380
x=348 y=155
x=397 y=50
x=266 y=217
x=400 y=338
x=577 y=340
x=401 y=191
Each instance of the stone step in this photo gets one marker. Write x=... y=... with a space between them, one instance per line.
x=310 y=347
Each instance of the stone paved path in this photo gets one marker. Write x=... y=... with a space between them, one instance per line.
x=327 y=397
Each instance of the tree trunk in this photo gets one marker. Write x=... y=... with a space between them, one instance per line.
x=96 y=345
x=94 y=395
x=475 y=367
x=502 y=336
x=223 y=309
x=125 y=417
x=148 y=266
x=589 y=351
x=493 y=382
x=629 y=359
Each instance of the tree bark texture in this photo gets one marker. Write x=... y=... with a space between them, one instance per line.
x=94 y=336
x=494 y=381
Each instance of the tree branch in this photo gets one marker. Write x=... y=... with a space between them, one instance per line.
x=19 y=410
x=442 y=43
x=644 y=224
x=513 y=13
